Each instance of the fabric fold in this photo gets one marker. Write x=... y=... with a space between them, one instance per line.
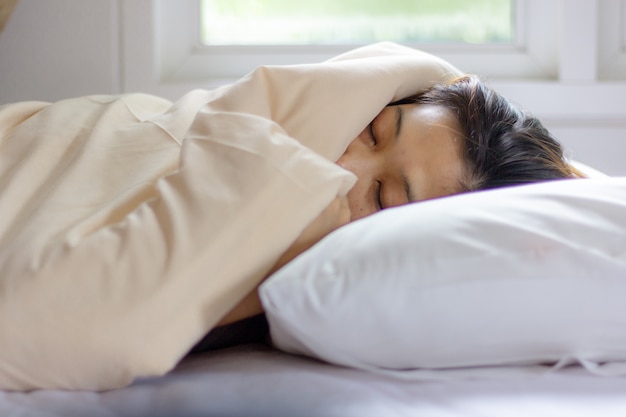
x=129 y=224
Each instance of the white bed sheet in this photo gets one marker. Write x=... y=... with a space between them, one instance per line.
x=255 y=380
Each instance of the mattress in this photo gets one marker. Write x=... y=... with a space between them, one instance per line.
x=256 y=380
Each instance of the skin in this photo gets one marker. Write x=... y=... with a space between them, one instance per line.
x=408 y=153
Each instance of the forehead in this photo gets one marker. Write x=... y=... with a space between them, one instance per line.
x=433 y=149
x=434 y=116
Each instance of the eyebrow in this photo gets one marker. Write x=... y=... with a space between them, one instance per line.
x=410 y=195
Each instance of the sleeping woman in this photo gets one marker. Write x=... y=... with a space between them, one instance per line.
x=131 y=226
x=453 y=138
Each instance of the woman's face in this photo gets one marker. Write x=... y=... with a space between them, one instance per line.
x=409 y=153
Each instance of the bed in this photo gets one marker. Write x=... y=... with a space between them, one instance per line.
x=502 y=302
x=575 y=366
x=255 y=380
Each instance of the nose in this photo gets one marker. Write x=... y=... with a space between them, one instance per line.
x=362 y=162
x=356 y=159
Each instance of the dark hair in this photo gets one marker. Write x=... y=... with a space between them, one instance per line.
x=504 y=145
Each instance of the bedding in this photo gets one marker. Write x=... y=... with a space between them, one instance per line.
x=510 y=281
x=256 y=381
x=130 y=225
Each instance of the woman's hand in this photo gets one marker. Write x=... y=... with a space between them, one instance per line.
x=334 y=216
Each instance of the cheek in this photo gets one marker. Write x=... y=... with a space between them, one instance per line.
x=357 y=160
x=356 y=201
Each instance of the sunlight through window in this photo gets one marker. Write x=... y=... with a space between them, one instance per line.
x=330 y=22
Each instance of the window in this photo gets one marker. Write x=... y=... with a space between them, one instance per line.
x=288 y=22
x=168 y=50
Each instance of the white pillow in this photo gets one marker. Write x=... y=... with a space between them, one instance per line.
x=524 y=275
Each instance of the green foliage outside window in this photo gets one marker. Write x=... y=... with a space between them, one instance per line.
x=292 y=22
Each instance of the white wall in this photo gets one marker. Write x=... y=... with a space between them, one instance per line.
x=54 y=49
x=57 y=49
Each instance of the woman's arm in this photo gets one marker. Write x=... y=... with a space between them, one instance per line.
x=334 y=216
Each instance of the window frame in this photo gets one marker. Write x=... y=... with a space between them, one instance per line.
x=163 y=53
x=572 y=74
x=612 y=40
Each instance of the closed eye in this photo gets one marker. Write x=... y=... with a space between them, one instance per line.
x=370 y=128
x=379 y=195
